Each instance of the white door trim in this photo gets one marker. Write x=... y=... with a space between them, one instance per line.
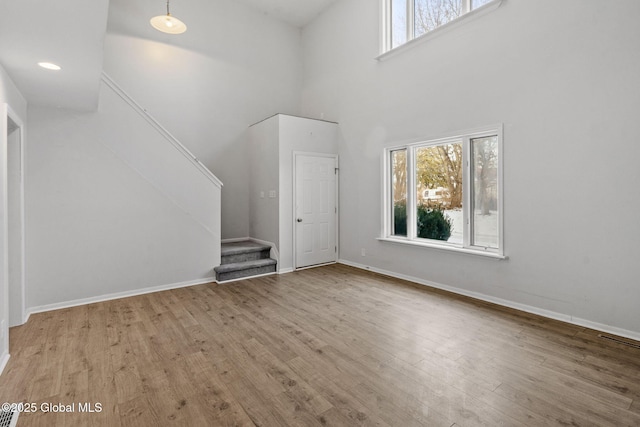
x=294 y=204
x=10 y=114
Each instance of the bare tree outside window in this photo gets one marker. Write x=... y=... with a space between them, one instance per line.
x=430 y=14
x=408 y=19
x=440 y=166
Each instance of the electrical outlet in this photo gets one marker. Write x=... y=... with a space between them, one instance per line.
x=363 y=252
x=262 y=194
x=272 y=194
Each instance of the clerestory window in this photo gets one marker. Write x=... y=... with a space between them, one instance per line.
x=406 y=20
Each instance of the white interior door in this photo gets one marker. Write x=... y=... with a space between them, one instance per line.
x=315 y=210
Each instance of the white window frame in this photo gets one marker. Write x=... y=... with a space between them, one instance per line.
x=386 y=47
x=465 y=139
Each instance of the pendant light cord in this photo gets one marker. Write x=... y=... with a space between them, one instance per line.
x=168 y=8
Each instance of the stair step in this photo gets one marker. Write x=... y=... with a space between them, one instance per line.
x=243 y=247
x=236 y=252
x=244 y=265
x=244 y=269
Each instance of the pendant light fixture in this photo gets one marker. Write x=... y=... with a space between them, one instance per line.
x=168 y=24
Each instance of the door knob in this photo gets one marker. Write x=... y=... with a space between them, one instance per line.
x=299 y=220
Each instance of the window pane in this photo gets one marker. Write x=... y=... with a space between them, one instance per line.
x=484 y=194
x=398 y=22
x=399 y=192
x=430 y=14
x=477 y=3
x=439 y=192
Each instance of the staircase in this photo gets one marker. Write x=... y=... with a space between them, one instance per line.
x=239 y=260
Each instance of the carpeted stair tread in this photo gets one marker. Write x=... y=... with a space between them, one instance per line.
x=244 y=259
x=236 y=266
x=247 y=250
x=243 y=248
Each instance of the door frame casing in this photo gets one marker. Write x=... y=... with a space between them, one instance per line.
x=9 y=114
x=295 y=156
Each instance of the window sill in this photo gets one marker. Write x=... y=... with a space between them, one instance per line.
x=467 y=17
x=444 y=247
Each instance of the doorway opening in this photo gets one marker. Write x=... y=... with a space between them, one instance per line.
x=15 y=219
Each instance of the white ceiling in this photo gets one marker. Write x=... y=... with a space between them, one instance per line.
x=71 y=33
x=296 y=12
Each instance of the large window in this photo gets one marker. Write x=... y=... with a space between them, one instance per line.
x=405 y=20
x=447 y=192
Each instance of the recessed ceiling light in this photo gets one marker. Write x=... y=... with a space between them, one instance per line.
x=49 y=66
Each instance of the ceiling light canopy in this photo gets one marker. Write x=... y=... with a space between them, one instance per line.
x=49 y=66
x=168 y=24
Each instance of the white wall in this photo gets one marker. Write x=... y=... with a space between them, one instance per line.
x=67 y=32
x=264 y=171
x=9 y=96
x=233 y=67
x=100 y=221
x=134 y=136
x=563 y=78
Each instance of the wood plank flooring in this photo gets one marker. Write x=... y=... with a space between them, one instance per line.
x=326 y=346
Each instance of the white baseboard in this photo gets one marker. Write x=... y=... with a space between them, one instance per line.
x=3 y=361
x=224 y=282
x=285 y=270
x=316 y=265
x=117 y=295
x=503 y=302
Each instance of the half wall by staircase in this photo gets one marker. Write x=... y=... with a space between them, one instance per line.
x=164 y=161
x=115 y=205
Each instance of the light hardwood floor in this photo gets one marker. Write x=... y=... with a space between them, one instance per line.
x=324 y=346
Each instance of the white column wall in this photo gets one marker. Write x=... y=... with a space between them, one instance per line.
x=264 y=164
x=302 y=135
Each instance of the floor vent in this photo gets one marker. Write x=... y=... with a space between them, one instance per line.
x=8 y=418
x=619 y=341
